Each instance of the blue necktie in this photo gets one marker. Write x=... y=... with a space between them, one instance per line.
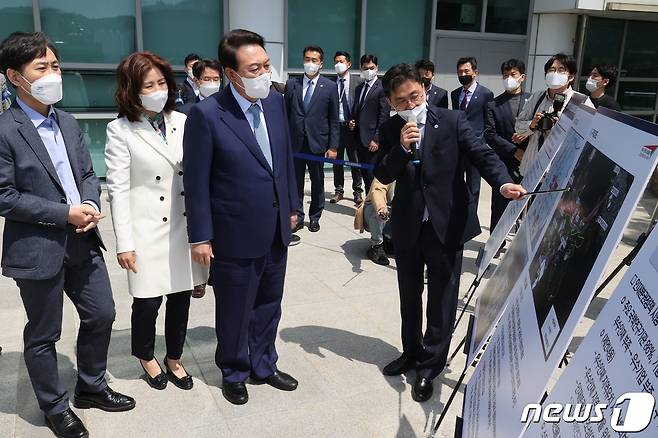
x=309 y=94
x=260 y=131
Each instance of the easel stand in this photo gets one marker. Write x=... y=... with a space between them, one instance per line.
x=625 y=262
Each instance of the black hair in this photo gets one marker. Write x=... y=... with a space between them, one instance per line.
x=609 y=72
x=21 y=48
x=425 y=64
x=397 y=75
x=513 y=63
x=468 y=59
x=314 y=49
x=343 y=53
x=568 y=61
x=199 y=67
x=368 y=57
x=232 y=41
x=191 y=57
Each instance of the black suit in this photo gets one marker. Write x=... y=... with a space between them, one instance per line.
x=437 y=96
x=370 y=112
x=498 y=132
x=187 y=93
x=348 y=139
x=476 y=113
x=313 y=130
x=438 y=185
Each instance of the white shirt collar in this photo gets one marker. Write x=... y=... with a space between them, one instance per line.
x=314 y=80
x=472 y=88
x=242 y=102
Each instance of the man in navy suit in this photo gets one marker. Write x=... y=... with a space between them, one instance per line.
x=371 y=110
x=472 y=98
x=499 y=128
x=188 y=90
x=50 y=198
x=312 y=104
x=429 y=226
x=241 y=204
x=436 y=96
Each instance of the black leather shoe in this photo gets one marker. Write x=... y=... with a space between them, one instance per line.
x=400 y=365
x=235 y=392
x=422 y=389
x=358 y=199
x=295 y=240
x=105 y=400
x=282 y=381
x=158 y=382
x=314 y=226
x=299 y=226
x=377 y=255
x=185 y=382
x=336 y=199
x=67 y=425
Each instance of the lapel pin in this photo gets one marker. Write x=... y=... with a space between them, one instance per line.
x=436 y=126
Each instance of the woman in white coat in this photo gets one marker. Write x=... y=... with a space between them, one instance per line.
x=143 y=154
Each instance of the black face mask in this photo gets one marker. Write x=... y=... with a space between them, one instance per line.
x=465 y=79
x=426 y=82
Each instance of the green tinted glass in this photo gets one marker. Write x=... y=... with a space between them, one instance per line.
x=459 y=15
x=94 y=133
x=331 y=25
x=88 y=91
x=15 y=15
x=507 y=16
x=603 y=42
x=167 y=30
x=85 y=31
x=637 y=96
x=398 y=31
x=641 y=52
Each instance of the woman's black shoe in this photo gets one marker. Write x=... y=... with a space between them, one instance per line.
x=158 y=382
x=185 y=383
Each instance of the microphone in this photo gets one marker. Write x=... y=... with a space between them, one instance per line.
x=415 y=158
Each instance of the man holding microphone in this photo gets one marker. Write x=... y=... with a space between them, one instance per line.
x=433 y=222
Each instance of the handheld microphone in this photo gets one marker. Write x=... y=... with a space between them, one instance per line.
x=415 y=158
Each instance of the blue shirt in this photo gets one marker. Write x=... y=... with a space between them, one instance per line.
x=51 y=135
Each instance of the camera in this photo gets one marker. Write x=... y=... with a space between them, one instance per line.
x=547 y=120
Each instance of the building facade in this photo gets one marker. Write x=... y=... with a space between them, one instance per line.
x=94 y=35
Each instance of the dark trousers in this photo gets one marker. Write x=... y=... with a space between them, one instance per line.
x=443 y=272
x=348 y=142
x=248 y=296
x=473 y=183
x=316 y=172
x=84 y=279
x=366 y=157
x=145 y=313
x=498 y=206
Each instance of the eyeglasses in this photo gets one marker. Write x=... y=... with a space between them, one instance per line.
x=413 y=99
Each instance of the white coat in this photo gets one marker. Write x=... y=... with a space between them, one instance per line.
x=145 y=184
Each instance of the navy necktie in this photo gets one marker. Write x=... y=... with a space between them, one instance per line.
x=343 y=99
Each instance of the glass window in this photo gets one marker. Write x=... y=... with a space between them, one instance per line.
x=331 y=25
x=15 y=15
x=458 y=15
x=507 y=16
x=396 y=31
x=88 y=91
x=94 y=133
x=85 y=31
x=166 y=30
x=637 y=96
x=602 y=43
x=641 y=51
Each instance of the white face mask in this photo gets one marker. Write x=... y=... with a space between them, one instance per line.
x=155 y=101
x=47 y=90
x=556 y=80
x=591 y=85
x=208 y=88
x=369 y=75
x=415 y=114
x=258 y=87
x=340 y=67
x=311 y=68
x=511 y=83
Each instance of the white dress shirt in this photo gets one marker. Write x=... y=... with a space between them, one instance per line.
x=345 y=95
x=306 y=83
x=365 y=91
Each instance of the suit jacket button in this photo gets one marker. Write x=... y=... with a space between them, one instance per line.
x=157 y=178
x=180 y=172
x=164 y=219
x=275 y=204
x=63 y=200
x=182 y=193
x=184 y=214
x=162 y=198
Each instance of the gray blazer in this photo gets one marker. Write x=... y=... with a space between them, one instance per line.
x=32 y=199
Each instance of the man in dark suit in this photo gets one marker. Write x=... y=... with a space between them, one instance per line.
x=241 y=203
x=471 y=98
x=312 y=104
x=436 y=96
x=371 y=110
x=188 y=90
x=429 y=224
x=499 y=129
x=50 y=197
x=347 y=84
